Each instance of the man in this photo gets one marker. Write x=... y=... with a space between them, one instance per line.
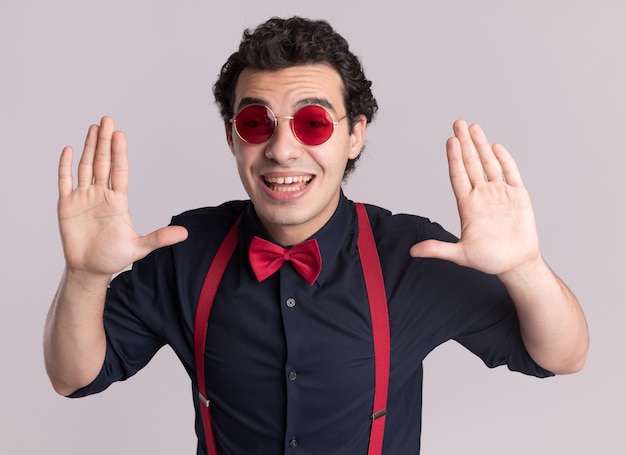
x=297 y=357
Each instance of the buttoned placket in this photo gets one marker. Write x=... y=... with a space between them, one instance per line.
x=295 y=337
x=293 y=290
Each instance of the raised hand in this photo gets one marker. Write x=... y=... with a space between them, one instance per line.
x=96 y=229
x=498 y=232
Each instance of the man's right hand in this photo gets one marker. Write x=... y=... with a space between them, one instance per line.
x=98 y=240
x=96 y=230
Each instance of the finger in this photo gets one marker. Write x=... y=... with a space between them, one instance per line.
x=66 y=184
x=461 y=184
x=85 y=165
x=437 y=249
x=119 y=163
x=471 y=157
x=164 y=236
x=510 y=170
x=491 y=166
x=102 y=158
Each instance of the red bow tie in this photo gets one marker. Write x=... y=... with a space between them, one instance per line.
x=266 y=258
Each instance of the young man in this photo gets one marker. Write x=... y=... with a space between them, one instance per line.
x=321 y=354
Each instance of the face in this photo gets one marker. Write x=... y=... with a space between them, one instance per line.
x=295 y=187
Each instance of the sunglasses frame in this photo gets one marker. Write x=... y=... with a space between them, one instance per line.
x=334 y=122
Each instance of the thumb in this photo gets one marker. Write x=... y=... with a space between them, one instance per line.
x=436 y=249
x=164 y=236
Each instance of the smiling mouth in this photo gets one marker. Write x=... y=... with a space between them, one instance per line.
x=288 y=184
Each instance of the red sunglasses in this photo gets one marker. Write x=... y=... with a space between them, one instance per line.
x=311 y=124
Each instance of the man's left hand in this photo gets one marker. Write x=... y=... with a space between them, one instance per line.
x=498 y=232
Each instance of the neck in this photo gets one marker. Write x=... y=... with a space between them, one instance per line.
x=293 y=231
x=290 y=235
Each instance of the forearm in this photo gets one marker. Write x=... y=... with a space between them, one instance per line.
x=74 y=337
x=552 y=322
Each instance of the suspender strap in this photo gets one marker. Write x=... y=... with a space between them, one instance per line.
x=375 y=287
x=203 y=311
x=380 y=327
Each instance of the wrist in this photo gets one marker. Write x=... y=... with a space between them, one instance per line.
x=526 y=273
x=86 y=280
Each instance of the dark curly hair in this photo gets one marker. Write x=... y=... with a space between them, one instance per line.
x=282 y=43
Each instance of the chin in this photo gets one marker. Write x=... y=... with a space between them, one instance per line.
x=283 y=216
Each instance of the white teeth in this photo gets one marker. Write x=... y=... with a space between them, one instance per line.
x=288 y=180
x=287 y=189
x=275 y=181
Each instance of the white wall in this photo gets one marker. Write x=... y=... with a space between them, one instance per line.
x=544 y=77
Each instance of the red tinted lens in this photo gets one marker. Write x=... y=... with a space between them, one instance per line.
x=255 y=124
x=313 y=125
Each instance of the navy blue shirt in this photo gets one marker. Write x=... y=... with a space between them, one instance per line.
x=289 y=366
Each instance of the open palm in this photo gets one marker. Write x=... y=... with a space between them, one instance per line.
x=96 y=229
x=498 y=232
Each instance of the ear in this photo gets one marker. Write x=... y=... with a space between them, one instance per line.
x=228 y=127
x=357 y=137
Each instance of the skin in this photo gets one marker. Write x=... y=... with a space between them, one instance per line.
x=98 y=240
x=498 y=233
x=292 y=217
x=499 y=236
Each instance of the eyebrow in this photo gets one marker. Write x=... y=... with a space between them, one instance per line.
x=248 y=101
x=301 y=103
x=314 y=100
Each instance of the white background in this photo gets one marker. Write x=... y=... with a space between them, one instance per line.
x=544 y=77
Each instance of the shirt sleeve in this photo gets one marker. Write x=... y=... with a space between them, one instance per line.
x=154 y=303
x=496 y=338
x=133 y=319
x=483 y=317
x=441 y=301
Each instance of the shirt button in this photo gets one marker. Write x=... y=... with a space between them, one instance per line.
x=293 y=443
x=291 y=302
x=292 y=375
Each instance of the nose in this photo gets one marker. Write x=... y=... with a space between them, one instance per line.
x=283 y=146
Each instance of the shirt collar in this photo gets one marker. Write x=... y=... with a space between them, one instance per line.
x=331 y=237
